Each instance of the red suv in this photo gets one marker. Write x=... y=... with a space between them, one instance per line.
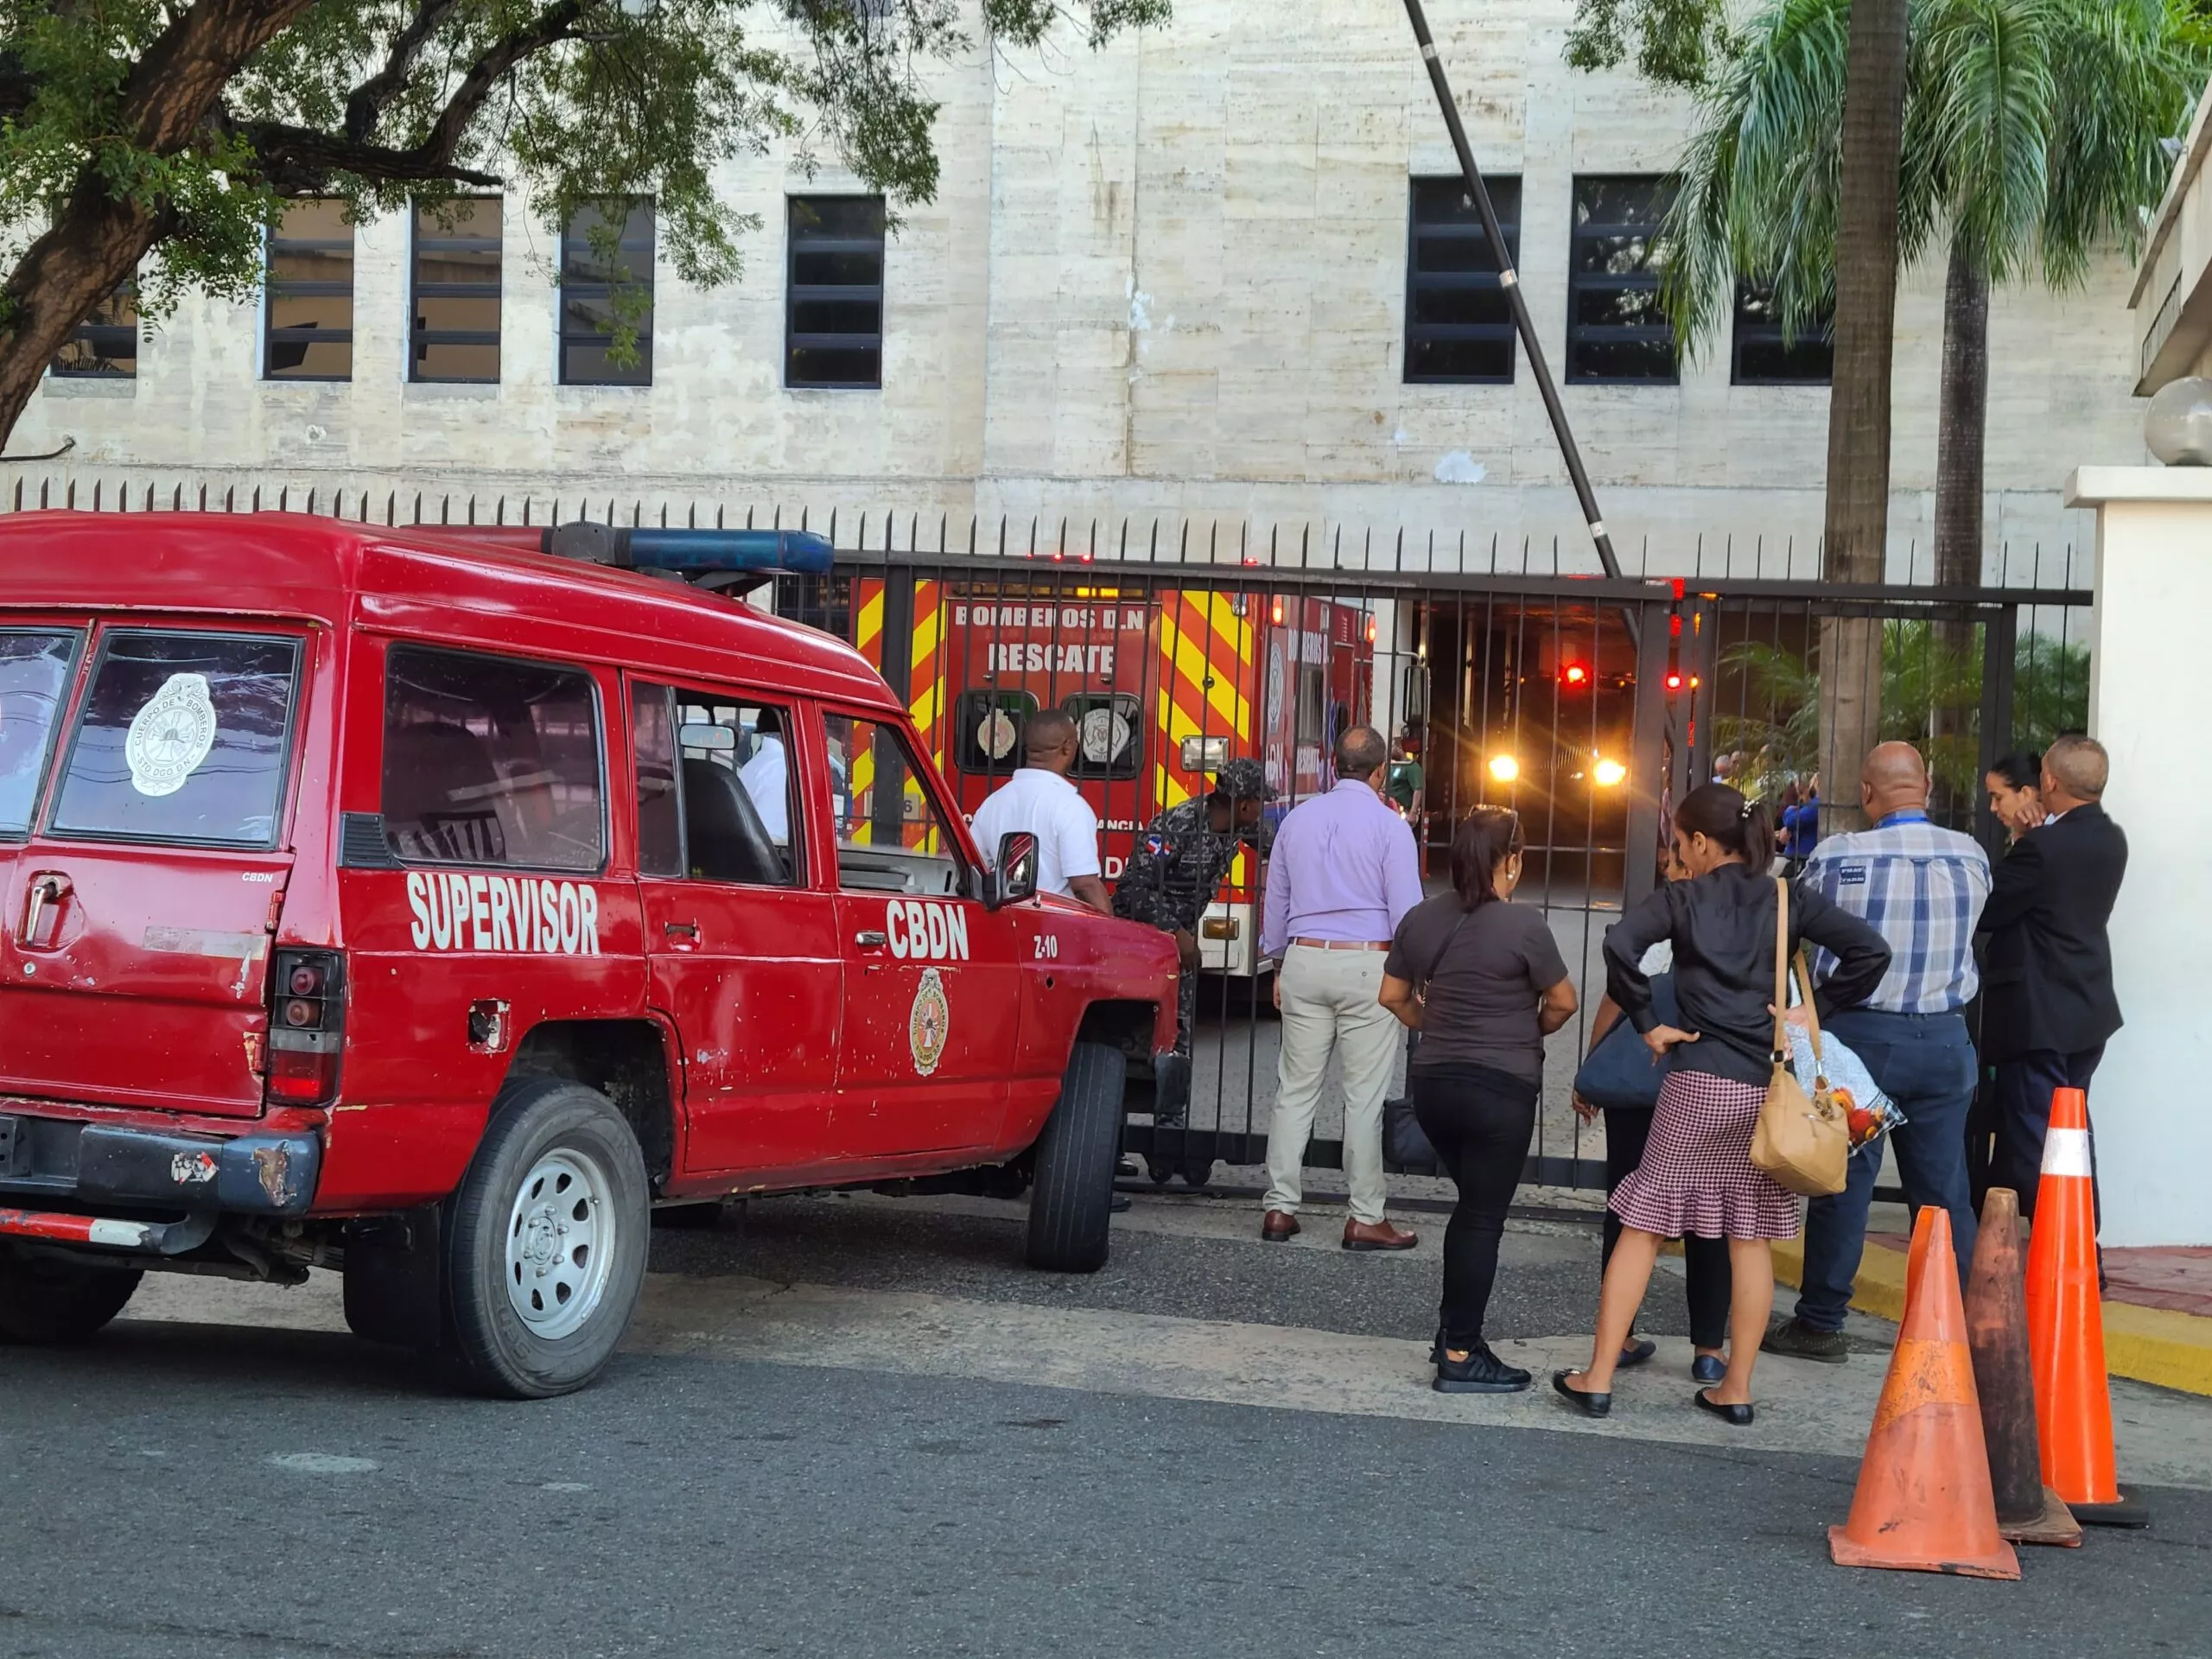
x=410 y=904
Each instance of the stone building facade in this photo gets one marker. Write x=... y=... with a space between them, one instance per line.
x=1164 y=285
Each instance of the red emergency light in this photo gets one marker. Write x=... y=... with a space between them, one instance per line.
x=1574 y=674
x=1370 y=629
x=1673 y=682
x=1274 y=611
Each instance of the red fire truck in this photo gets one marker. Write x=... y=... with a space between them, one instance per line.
x=1165 y=685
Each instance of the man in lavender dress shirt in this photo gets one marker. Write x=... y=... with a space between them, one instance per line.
x=1344 y=871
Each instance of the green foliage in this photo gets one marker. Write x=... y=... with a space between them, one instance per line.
x=1674 y=42
x=2031 y=132
x=574 y=101
x=1931 y=698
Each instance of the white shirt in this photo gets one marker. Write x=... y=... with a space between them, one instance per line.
x=766 y=777
x=1052 y=809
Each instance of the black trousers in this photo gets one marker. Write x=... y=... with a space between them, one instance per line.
x=1481 y=1121
x=1710 y=1281
x=2020 y=1101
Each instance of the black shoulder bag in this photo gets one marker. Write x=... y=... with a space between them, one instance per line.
x=1406 y=1150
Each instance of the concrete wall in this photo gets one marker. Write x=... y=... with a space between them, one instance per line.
x=2153 y=1135
x=1163 y=282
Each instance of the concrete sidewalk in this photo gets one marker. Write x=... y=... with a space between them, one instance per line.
x=2158 y=1309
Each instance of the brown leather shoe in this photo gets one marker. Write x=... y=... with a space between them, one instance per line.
x=1279 y=1227
x=1378 y=1235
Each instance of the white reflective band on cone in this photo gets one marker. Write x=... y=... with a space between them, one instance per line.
x=2066 y=1152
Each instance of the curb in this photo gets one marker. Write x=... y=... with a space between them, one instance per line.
x=2158 y=1345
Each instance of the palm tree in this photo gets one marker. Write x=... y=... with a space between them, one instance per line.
x=2022 y=169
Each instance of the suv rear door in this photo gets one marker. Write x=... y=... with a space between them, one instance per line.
x=137 y=917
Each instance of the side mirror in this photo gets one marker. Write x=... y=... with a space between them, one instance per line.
x=1014 y=877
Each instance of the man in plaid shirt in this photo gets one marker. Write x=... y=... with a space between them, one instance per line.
x=1922 y=888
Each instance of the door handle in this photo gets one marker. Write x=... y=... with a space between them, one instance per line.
x=687 y=930
x=47 y=887
x=868 y=936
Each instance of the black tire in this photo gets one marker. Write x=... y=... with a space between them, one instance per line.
x=1198 y=1170
x=47 y=1301
x=499 y=1352
x=1070 y=1208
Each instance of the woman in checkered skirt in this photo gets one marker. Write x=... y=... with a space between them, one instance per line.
x=1696 y=1177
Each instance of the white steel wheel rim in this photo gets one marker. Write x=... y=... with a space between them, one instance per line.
x=560 y=1243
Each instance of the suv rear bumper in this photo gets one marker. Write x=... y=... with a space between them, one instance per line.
x=69 y=1160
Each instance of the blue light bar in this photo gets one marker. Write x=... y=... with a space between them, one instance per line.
x=692 y=552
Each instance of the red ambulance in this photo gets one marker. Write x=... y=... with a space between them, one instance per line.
x=429 y=909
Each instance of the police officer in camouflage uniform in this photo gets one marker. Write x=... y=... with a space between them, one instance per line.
x=1173 y=874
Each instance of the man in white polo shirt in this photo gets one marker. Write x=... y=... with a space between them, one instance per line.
x=1039 y=798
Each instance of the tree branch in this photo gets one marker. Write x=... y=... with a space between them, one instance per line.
x=368 y=99
x=555 y=25
x=299 y=161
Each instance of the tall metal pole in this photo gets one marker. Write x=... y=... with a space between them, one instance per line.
x=1510 y=281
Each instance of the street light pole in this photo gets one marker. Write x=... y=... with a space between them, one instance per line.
x=1510 y=281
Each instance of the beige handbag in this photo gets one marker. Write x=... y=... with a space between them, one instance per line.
x=1802 y=1140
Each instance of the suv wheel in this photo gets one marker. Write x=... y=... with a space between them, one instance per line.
x=46 y=1300
x=547 y=1249
x=1070 y=1208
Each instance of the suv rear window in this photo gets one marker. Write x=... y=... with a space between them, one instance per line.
x=182 y=737
x=492 y=762
x=34 y=674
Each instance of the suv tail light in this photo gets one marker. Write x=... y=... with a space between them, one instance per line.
x=307 y=1026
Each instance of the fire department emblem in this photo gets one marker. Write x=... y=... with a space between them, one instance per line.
x=1105 y=734
x=930 y=1025
x=995 y=735
x=171 y=735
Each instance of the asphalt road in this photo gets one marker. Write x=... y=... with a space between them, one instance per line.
x=854 y=1427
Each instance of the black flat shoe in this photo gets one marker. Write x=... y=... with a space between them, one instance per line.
x=1740 y=1417
x=1635 y=1351
x=1480 y=1372
x=1590 y=1405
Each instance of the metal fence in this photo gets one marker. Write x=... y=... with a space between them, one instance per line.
x=1588 y=706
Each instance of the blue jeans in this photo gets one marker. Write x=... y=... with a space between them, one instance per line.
x=2022 y=1094
x=1926 y=1063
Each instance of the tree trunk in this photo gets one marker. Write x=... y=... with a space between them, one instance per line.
x=1959 y=438
x=97 y=240
x=1856 y=519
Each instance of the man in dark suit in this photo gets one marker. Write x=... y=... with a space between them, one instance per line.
x=2048 y=1006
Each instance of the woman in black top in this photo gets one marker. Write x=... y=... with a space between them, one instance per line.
x=1495 y=986
x=1696 y=1176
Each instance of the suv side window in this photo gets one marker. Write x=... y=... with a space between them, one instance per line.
x=488 y=760
x=891 y=837
x=183 y=737
x=34 y=677
x=723 y=764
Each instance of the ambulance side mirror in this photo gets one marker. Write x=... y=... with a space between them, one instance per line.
x=1014 y=879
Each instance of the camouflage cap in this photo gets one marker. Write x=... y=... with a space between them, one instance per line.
x=1243 y=780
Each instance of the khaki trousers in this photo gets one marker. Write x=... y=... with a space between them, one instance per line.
x=1329 y=1006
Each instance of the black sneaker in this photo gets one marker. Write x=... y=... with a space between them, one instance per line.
x=1480 y=1372
x=1795 y=1340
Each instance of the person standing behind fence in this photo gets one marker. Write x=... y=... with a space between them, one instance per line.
x=1483 y=982
x=1696 y=1175
x=1922 y=888
x=1039 y=798
x=1175 y=867
x=1342 y=877
x=2050 y=1008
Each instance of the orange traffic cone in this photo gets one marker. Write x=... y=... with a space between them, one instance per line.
x=1923 y=1503
x=2066 y=1327
x=1916 y=1256
x=2028 y=1512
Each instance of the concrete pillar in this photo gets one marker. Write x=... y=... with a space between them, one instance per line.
x=2153 y=593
